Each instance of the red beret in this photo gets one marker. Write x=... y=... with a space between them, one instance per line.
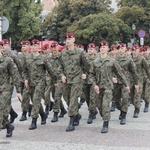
x=145 y=48
x=79 y=46
x=5 y=41
x=1 y=43
x=103 y=43
x=69 y=35
x=54 y=44
x=136 y=46
x=45 y=46
x=91 y=45
x=141 y=49
x=122 y=45
x=113 y=47
x=35 y=41
x=25 y=42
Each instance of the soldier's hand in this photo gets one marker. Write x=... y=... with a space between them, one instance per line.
x=63 y=79
x=56 y=86
x=128 y=89
x=26 y=83
x=114 y=80
x=19 y=96
x=83 y=76
x=137 y=88
x=96 y=88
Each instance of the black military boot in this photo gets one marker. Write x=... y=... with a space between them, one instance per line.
x=51 y=106
x=123 y=118
x=113 y=106
x=43 y=118
x=146 y=107
x=105 y=127
x=55 y=117
x=90 y=119
x=120 y=116
x=71 y=125
x=29 y=110
x=47 y=110
x=13 y=115
x=10 y=129
x=33 y=124
x=136 y=113
x=62 y=113
x=77 y=119
x=23 y=117
x=94 y=114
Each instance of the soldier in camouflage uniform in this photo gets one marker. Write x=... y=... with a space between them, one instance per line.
x=102 y=78
x=34 y=71
x=121 y=96
x=7 y=52
x=141 y=66
x=8 y=70
x=25 y=105
x=146 y=84
x=71 y=72
x=88 y=91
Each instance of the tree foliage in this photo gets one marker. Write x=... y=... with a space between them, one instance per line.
x=23 y=17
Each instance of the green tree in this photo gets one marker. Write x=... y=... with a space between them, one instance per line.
x=23 y=17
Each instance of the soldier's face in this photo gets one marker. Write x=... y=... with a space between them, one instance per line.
x=113 y=52
x=6 y=47
x=91 y=51
x=135 y=52
x=25 y=48
x=128 y=53
x=55 y=49
x=70 y=41
x=103 y=49
x=122 y=50
x=146 y=53
x=46 y=51
x=35 y=47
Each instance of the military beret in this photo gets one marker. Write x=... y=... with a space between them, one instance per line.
x=113 y=47
x=69 y=35
x=54 y=44
x=91 y=45
x=141 y=49
x=1 y=43
x=5 y=41
x=136 y=46
x=35 y=41
x=79 y=46
x=145 y=48
x=45 y=46
x=122 y=45
x=25 y=42
x=103 y=43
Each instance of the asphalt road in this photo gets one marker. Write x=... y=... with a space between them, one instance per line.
x=135 y=135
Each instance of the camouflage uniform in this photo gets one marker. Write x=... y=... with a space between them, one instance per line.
x=34 y=71
x=121 y=95
x=141 y=64
x=8 y=70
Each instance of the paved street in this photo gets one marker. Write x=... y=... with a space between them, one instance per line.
x=135 y=135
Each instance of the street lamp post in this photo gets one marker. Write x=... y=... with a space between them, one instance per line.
x=133 y=29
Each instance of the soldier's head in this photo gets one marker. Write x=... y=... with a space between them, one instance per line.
x=135 y=50
x=25 y=45
x=91 y=49
x=128 y=51
x=122 y=48
x=6 y=46
x=35 y=45
x=103 y=47
x=55 y=47
x=70 y=39
x=46 y=49
x=113 y=50
x=146 y=51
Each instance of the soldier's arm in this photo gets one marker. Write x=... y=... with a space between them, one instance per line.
x=145 y=65
x=25 y=70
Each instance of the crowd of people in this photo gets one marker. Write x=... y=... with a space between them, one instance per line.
x=116 y=75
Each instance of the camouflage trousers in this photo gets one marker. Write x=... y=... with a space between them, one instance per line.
x=26 y=99
x=146 y=92
x=57 y=95
x=121 y=97
x=36 y=93
x=71 y=94
x=103 y=103
x=136 y=96
x=90 y=97
x=47 y=95
x=5 y=104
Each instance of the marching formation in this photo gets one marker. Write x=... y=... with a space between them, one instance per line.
x=118 y=75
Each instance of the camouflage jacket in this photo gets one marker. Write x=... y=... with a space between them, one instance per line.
x=128 y=68
x=102 y=71
x=9 y=71
x=35 y=68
